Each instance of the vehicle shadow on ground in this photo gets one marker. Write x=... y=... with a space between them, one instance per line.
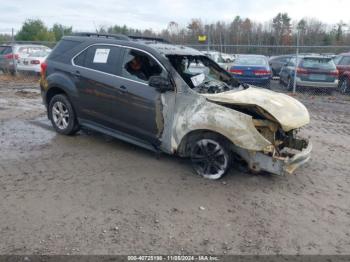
x=238 y=172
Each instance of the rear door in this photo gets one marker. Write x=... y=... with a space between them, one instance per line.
x=343 y=65
x=288 y=70
x=96 y=77
x=279 y=63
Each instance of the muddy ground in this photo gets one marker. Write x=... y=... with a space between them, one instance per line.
x=91 y=194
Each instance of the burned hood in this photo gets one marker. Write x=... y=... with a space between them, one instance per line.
x=289 y=112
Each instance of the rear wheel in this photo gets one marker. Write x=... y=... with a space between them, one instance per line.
x=62 y=115
x=344 y=86
x=210 y=156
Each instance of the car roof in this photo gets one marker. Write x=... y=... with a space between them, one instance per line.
x=170 y=49
x=345 y=54
x=281 y=56
x=156 y=44
x=317 y=56
x=251 y=55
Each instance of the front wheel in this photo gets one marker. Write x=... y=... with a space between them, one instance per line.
x=210 y=156
x=62 y=115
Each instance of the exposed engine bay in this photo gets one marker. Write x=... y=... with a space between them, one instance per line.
x=203 y=75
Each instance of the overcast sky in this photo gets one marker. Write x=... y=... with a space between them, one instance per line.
x=83 y=15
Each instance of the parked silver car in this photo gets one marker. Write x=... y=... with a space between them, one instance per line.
x=315 y=71
x=32 y=63
x=10 y=55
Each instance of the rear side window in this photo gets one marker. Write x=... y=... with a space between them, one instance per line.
x=62 y=47
x=80 y=59
x=345 y=61
x=337 y=59
x=102 y=58
x=280 y=59
x=318 y=63
x=4 y=50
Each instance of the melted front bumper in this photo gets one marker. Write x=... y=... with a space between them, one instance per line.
x=279 y=165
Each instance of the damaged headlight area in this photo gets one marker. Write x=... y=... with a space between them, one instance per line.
x=283 y=157
x=285 y=153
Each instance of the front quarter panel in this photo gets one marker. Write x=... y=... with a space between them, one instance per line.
x=196 y=113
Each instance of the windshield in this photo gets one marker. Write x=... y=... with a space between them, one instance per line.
x=318 y=63
x=202 y=74
x=250 y=60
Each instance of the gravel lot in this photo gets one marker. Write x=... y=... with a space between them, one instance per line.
x=91 y=194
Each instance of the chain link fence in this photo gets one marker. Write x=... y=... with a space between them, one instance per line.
x=319 y=79
x=320 y=84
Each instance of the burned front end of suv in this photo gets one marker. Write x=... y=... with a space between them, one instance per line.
x=260 y=125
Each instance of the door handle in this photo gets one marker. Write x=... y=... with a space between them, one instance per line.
x=123 y=88
x=77 y=73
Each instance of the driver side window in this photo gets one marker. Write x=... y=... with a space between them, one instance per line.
x=139 y=66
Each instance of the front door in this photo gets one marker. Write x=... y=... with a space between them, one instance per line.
x=139 y=106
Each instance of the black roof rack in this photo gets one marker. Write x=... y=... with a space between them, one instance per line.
x=147 y=38
x=114 y=36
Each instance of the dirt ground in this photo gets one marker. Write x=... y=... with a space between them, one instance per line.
x=91 y=194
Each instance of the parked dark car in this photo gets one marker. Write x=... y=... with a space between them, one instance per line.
x=277 y=62
x=342 y=63
x=252 y=69
x=170 y=99
x=312 y=72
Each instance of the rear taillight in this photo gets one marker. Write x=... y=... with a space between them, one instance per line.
x=43 y=67
x=302 y=71
x=10 y=56
x=236 y=71
x=35 y=62
x=262 y=72
x=334 y=73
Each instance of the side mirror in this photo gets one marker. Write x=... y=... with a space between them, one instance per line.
x=162 y=84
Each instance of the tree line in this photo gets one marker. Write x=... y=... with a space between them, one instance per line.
x=280 y=30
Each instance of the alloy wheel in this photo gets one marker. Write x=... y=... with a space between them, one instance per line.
x=60 y=115
x=209 y=159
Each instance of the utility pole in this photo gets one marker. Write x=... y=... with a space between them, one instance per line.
x=208 y=40
x=296 y=62
x=13 y=53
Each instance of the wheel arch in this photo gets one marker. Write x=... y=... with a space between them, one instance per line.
x=52 y=91
x=61 y=83
x=184 y=146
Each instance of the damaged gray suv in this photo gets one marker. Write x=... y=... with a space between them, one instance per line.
x=171 y=99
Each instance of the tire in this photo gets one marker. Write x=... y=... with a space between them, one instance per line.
x=289 y=84
x=62 y=115
x=344 y=86
x=274 y=73
x=210 y=156
x=282 y=84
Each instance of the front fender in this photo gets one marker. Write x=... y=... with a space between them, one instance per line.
x=234 y=125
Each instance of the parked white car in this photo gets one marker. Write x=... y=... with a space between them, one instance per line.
x=32 y=62
x=222 y=59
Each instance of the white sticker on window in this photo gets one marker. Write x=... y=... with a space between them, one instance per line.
x=101 y=56
x=198 y=79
